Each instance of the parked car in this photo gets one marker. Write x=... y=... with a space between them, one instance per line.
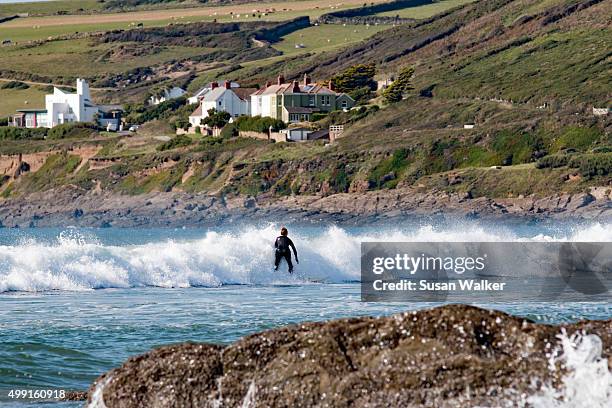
x=133 y=128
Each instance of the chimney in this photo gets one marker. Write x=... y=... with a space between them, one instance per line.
x=306 y=80
x=331 y=85
x=214 y=85
x=296 y=87
x=228 y=85
x=280 y=80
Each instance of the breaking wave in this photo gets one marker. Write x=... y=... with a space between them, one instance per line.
x=587 y=381
x=75 y=261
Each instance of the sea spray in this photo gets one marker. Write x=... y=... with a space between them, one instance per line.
x=587 y=381
x=79 y=260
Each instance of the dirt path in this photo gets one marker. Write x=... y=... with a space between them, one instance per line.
x=50 y=84
x=152 y=15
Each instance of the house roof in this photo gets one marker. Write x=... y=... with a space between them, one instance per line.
x=110 y=108
x=208 y=87
x=32 y=110
x=198 y=111
x=213 y=95
x=288 y=89
x=244 y=93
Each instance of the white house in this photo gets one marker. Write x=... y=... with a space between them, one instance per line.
x=63 y=107
x=199 y=95
x=166 y=95
x=235 y=101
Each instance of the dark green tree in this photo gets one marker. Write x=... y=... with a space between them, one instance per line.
x=216 y=119
x=354 y=78
x=396 y=91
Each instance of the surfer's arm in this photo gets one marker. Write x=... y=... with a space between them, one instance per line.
x=294 y=250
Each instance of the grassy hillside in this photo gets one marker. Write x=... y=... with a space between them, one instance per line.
x=527 y=50
x=525 y=73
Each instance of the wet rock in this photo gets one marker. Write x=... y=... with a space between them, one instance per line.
x=451 y=356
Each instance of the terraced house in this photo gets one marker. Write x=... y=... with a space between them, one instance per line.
x=294 y=102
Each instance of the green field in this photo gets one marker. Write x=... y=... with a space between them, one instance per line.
x=425 y=11
x=325 y=37
x=80 y=58
x=13 y=99
x=41 y=28
x=50 y=7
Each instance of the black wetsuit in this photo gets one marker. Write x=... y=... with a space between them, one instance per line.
x=282 y=245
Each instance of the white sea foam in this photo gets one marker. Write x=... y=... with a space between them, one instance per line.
x=587 y=381
x=242 y=256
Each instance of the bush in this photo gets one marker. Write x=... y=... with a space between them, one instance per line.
x=14 y=133
x=175 y=143
x=140 y=114
x=553 y=161
x=230 y=130
x=72 y=130
x=216 y=119
x=395 y=92
x=386 y=173
x=318 y=116
x=4 y=121
x=259 y=124
x=590 y=165
x=362 y=95
x=14 y=85
x=355 y=78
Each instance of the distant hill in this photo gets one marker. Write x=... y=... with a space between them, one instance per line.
x=521 y=50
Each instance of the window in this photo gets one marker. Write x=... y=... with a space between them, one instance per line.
x=294 y=117
x=311 y=100
x=326 y=100
x=220 y=103
x=344 y=104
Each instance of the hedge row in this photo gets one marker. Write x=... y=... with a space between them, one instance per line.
x=590 y=165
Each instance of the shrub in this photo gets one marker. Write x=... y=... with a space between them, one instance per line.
x=591 y=165
x=72 y=130
x=14 y=85
x=230 y=130
x=175 y=143
x=553 y=161
x=318 y=116
x=13 y=133
x=259 y=124
x=139 y=114
x=354 y=78
x=216 y=119
x=395 y=92
x=385 y=174
x=4 y=121
x=578 y=138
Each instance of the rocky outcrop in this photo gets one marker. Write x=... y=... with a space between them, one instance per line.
x=70 y=205
x=451 y=356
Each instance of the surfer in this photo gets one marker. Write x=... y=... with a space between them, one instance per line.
x=282 y=245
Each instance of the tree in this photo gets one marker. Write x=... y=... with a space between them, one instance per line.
x=396 y=91
x=216 y=119
x=354 y=78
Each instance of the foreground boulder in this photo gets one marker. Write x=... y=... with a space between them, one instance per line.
x=451 y=356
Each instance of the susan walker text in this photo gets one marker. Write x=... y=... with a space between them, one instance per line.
x=460 y=285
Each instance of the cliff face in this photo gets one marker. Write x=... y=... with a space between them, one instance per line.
x=449 y=356
x=70 y=206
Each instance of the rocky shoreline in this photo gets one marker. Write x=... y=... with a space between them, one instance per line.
x=450 y=356
x=70 y=206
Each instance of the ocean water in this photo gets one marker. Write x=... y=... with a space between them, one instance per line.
x=75 y=303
